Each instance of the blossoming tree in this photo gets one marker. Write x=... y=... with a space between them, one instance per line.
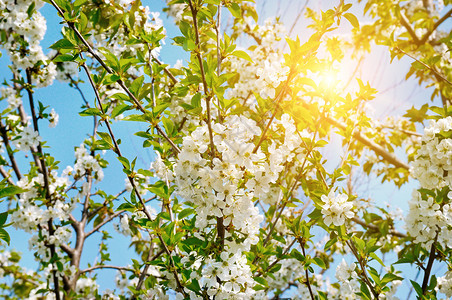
x=239 y=201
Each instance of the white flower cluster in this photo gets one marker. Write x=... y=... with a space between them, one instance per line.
x=40 y=243
x=427 y=218
x=433 y=165
x=27 y=139
x=433 y=168
x=267 y=70
x=86 y=287
x=445 y=284
x=123 y=226
x=14 y=18
x=264 y=75
x=348 y=279
x=234 y=273
x=214 y=186
x=11 y=95
x=177 y=12
x=85 y=164
x=53 y=118
x=116 y=40
x=336 y=209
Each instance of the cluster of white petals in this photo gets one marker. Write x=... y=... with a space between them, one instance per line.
x=11 y=95
x=214 y=186
x=433 y=164
x=85 y=164
x=234 y=273
x=30 y=25
x=445 y=284
x=429 y=217
x=86 y=287
x=336 y=209
x=115 y=40
x=348 y=278
x=267 y=70
x=27 y=139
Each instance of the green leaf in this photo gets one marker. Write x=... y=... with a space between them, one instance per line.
x=261 y=281
x=79 y=2
x=242 y=54
x=31 y=9
x=169 y=125
x=352 y=19
x=62 y=44
x=119 y=109
x=4 y=235
x=125 y=162
x=417 y=287
x=90 y=112
x=126 y=206
x=136 y=85
x=10 y=191
x=235 y=10
x=3 y=217
x=389 y=277
x=63 y=58
x=186 y=212
x=330 y=243
x=374 y=256
x=318 y=261
x=106 y=138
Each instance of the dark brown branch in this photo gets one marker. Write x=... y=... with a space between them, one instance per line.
x=428 y=269
x=302 y=243
x=6 y=176
x=12 y=159
x=165 y=69
x=105 y=221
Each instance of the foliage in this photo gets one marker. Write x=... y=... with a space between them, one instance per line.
x=243 y=202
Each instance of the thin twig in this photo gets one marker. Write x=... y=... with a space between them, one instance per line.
x=131 y=180
x=10 y=152
x=306 y=270
x=437 y=74
x=365 y=278
x=90 y=269
x=374 y=227
x=389 y=157
x=110 y=71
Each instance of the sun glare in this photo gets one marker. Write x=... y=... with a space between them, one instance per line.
x=328 y=79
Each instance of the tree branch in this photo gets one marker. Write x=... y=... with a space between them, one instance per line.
x=435 y=26
x=110 y=71
x=90 y=269
x=376 y=228
x=436 y=73
x=404 y=21
x=389 y=157
x=430 y=262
